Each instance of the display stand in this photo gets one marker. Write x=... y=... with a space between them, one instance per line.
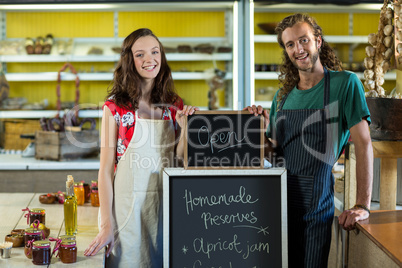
x=388 y=152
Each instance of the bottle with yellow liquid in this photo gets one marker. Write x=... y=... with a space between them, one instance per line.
x=70 y=208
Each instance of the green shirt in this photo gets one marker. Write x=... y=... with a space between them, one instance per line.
x=347 y=104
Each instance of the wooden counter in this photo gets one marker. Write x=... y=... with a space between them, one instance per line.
x=377 y=242
x=12 y=217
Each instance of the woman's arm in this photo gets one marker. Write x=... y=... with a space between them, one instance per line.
x=105 y=236
x=180 y=119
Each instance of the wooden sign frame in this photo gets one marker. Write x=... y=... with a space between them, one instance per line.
x=223 y=113
x=181 y=230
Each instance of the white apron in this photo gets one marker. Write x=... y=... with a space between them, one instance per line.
x=137 y=205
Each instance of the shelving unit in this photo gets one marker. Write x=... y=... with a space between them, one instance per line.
x=81 y=45
x=52 y=76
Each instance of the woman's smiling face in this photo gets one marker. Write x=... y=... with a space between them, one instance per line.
x=147 y=57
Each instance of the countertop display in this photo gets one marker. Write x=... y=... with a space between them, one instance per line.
x=11 y=205
x=377 y=241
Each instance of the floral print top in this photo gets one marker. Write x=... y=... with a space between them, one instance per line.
x=125 y=120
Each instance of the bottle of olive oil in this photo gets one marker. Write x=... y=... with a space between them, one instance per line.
x=70 y=208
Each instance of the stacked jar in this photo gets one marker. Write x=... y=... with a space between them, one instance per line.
x=87 y=191
x=94 y=194
x=37 y=214
x=68 y=249
x=31 y=235
x=79 y=193
x=41 y=252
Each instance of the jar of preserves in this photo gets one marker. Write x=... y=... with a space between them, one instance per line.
x=94 y=197
x=79 y=193
x=41 y=252
x=37 y=214
x=68 y=251
x=67 y=237
x=87 y=192
x=94 y=184
x=31 y=235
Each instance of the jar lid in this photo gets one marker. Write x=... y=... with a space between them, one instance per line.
x=41 y=243
x=33 y=231
x=78 y=184
x=68 y=242
x=67 y=237
x=38 y=210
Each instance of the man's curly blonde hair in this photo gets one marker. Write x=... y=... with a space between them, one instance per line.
x=289 y=74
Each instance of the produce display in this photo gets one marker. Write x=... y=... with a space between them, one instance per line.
x=380 y=54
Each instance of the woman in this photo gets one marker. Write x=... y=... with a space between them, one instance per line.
x=138 y=139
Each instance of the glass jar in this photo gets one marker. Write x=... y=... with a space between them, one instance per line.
x=37 y=214
x=41 y=252
x=31 y=234
x=61 y=197
x=68 y=251
x=79 y=193
x=67 y=237
x=87 y=192
x=94 y=197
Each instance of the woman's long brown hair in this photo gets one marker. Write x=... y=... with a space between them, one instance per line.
x=126 y=90
x=289 y=74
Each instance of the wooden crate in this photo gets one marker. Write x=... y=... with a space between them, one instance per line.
x=67 y=145
x=14 y=128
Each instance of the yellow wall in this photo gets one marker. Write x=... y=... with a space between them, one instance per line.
x=101 y=24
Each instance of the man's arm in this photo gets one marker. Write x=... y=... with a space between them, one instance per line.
x=364 y=175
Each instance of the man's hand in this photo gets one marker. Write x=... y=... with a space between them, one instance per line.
x=349 y=217
x=257 y=111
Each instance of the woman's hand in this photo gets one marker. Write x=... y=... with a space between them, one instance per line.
x=187 y=110
x=104 y=238
x=257 y=111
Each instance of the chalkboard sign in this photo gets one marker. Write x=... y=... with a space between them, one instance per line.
x=224 y=139
x=225 y=218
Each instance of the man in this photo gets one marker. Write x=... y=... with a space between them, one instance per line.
x=311 y=119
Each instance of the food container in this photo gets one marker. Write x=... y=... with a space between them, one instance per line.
x=18 y=231
x=31 y=235
x=5 y=250
x=37 y=214
x=41 y=252
x=68 y=251
x=87 y=192
x=17 y=240
x=79 y=193
x=95 y=197
x=47 y=198
x=67 y=237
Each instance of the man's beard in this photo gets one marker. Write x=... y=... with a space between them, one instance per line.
x=313 y=61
